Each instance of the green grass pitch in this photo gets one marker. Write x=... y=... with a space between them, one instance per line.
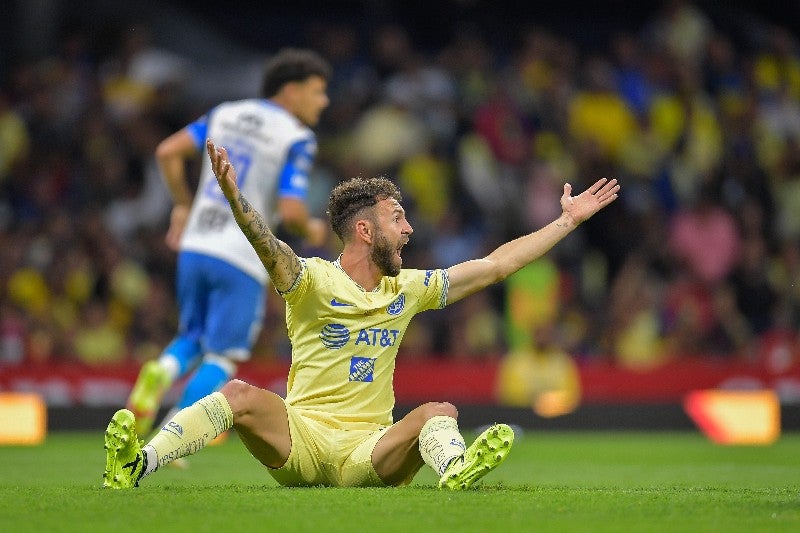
x=552 y=481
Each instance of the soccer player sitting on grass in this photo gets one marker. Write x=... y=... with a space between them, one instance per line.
x=345 y=320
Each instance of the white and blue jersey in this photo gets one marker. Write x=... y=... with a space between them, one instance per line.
x=220 y=279
x=272 y=152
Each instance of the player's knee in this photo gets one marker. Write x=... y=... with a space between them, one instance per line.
x=440 y=409
x=237 y=392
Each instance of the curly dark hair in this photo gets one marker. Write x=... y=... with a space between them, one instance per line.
x=349 y=197
x=292 y=64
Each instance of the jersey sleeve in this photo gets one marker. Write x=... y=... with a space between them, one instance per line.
x=300 y=285
x=430 y=287
x=293 y=179
x=198 y=130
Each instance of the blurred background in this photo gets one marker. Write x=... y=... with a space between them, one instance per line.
x=481 y=111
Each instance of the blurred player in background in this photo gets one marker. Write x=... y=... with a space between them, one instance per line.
x=220 y=279
x=346 y=319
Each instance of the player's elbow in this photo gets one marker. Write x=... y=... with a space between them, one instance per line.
x=498 y=271
x=165 y=150
x=177 y=146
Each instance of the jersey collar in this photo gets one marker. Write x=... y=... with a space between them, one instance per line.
x=338 y=264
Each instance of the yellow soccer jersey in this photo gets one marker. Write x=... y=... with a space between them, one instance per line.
x=345 y=340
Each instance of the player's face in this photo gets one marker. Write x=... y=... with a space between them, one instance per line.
x=310 y=100
x=392 y=232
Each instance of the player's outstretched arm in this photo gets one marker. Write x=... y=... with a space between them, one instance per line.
x=278 y=258
x=471 y=276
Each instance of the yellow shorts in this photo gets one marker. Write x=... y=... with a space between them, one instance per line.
x=328 y=456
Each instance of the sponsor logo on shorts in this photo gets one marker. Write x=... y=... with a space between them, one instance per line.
x=361 y=369
x=334 y=336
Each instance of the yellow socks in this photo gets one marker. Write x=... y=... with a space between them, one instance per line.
x=189 y=431
x=440 y=442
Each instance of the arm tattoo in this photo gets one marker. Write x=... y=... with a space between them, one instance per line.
x=278 y=258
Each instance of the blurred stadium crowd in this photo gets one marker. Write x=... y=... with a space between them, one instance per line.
x=700 y=257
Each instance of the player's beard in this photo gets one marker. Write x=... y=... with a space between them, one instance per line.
x=383 y=255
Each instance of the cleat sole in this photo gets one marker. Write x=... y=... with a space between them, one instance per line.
x=123 y=452
x=488 y=451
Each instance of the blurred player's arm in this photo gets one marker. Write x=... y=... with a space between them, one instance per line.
x=296 y=219
x=278 y=258
x=293 y=188
x=471 y=276
x=171 y=155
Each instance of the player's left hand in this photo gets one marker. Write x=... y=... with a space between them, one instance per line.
x=223 y=170
x=597 y=196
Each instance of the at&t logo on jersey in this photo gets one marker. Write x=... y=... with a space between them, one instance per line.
x=377 y=337
x=361 y=369
x=396 y=307
x=334 y=336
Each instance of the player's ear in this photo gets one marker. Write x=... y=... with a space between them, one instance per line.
x=364 y=230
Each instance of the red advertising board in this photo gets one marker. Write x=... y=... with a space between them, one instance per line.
x=430 y=379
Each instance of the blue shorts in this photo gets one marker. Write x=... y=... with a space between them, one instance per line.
x=220 y=307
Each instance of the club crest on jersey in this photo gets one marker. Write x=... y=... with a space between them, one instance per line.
x=334 y=336
x=361 y=369
x=396 y=307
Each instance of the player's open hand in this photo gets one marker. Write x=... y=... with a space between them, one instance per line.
x=597 y=196
x=223 y=170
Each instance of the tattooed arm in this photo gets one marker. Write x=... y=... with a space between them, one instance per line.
x=278 y=258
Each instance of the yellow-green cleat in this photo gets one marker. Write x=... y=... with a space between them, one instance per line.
x=125 y=462
x=145 y=398
x=484 y=455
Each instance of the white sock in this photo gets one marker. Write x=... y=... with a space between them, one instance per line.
x=152 y=460
x=440 y=442
x=189 y=431
x=170 y=363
